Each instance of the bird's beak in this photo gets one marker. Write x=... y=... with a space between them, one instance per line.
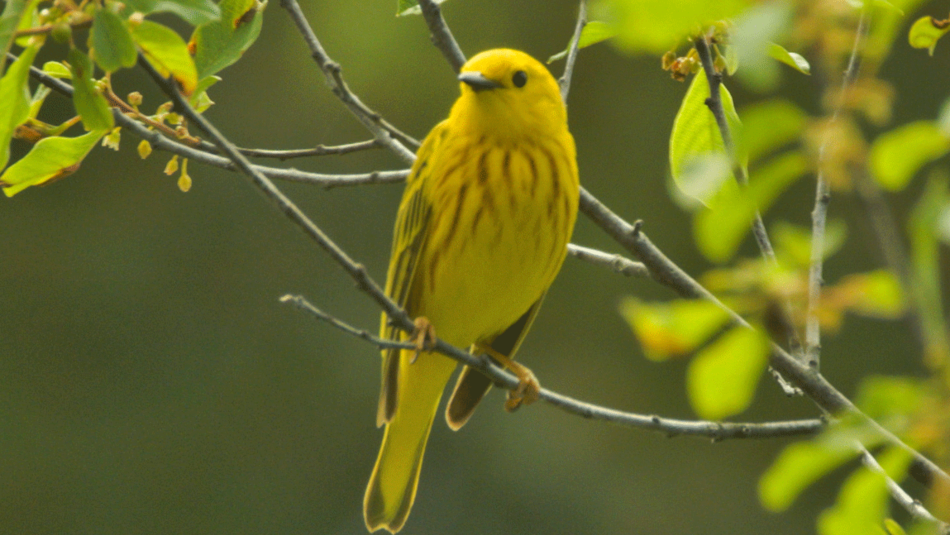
x=477 y=81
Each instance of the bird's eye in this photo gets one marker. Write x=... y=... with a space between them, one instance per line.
x=519 y=79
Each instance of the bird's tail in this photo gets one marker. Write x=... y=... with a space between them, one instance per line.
x=392 y=487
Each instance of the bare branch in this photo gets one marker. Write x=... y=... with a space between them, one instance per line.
x=565 y=80
x=819 y=214
x=716 y=431
x=441 y=36
x=319 y=150
x=387 y=134
x=613 y=262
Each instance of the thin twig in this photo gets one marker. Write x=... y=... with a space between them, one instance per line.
x=565 y=80
x=908 y=502
x=319 y=150
x=613 y=262
x=819 y=214
x=387 y=134
x=716 y=431
x=441 y=36
x=714 y=103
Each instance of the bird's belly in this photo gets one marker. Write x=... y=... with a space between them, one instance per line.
x=501 y=267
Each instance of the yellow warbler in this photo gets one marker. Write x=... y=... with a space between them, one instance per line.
x=482 y=231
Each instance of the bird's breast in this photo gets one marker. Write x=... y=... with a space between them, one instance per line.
x=502 y=218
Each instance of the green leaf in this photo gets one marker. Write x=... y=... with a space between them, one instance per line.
x=926 y=31
x=89 y=103
x=769 y=125
x=57 y=70
x=802 y=463
x=50 y=159
x=793 y=60
x=793 y=243
x=594 y=32
x=884 y=397
x=111 y=42
x=655 y=26
x=720 y=229
x=755 y=31
x=167 y=52
x=223 y=42
x=896 y=156
x=893 y=528
x=199 y=99
x=924 y=227
x=193 y=12
x=15 y=12
x=15 y=97
x=696 y=137
x=862 y=502
x=672 y=329
x=410 y=7
x=722 y=378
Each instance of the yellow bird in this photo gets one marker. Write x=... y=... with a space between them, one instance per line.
x=482 y=230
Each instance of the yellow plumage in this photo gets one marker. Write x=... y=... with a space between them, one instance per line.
x=482 y=231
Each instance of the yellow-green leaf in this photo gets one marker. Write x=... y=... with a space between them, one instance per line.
x=896 y=156
x=862 y=501
x=594 y=32
x=883 y=397
x=15 y=97
x=89 y=103
x=720 y=229
x=222 y=42
x=926 y=31
x=796 y=468
x=111 y=42
x=57 y=70
x=769 y=125
x=802 y=463
x=793 y=243
x=876 y=294
x=893 y=528
x=672 y=329
x=51 y=158
x=793 y=60
x=167 y=52
x=696 y=141
x=722 y=378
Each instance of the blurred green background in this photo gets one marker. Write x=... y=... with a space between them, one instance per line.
x=150 y=382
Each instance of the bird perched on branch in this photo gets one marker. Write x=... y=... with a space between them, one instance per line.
x=482 y=230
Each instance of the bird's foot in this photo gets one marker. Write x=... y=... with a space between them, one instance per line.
x=423 y=337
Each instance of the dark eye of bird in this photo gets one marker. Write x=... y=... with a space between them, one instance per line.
x=519 y=79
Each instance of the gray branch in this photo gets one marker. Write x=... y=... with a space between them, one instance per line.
x=387 y=134
x=613 y=262
x=441 y=36
x=716 y=431
x=565 y=80
x=819 y=214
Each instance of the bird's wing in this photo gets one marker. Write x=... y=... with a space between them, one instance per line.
x=412 y=224
x=472 y=385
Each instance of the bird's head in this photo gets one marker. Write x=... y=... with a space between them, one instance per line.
x=509 y=94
